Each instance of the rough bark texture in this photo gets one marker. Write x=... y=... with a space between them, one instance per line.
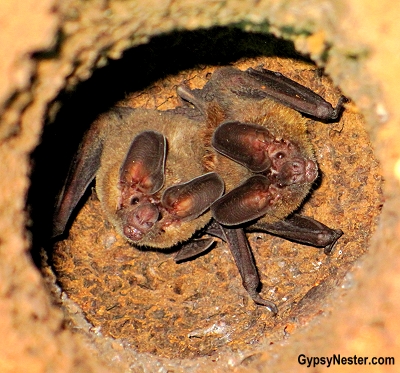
x=47 y=48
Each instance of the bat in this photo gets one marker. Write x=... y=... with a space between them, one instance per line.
x=137 y=158
x=253 y=119
x=235 y=157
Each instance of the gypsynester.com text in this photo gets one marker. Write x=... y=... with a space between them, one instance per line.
x=337 y=359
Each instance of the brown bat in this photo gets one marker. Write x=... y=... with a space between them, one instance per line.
x=149 y=176
x=243 y=130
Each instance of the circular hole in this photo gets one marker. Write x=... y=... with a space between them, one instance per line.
x=199 y=308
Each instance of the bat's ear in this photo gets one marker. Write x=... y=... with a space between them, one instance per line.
x=245 y=143
x=247 y=202
x=143 y=167
x=189 y=200
x=81 y=174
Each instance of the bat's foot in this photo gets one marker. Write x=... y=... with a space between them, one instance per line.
x=264 y=302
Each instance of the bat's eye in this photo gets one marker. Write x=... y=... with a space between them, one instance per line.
x=134 y=201
x=280 y=155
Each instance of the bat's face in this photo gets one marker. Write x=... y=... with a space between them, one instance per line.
x=161 y=176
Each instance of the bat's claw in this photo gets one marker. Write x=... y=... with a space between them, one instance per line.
x=339 y=108
x=264 y=302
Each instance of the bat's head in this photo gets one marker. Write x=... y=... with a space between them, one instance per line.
x=149 y=213
x=284 y=172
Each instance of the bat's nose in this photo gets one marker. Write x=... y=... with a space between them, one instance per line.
x=297 y=171
x=139 y=220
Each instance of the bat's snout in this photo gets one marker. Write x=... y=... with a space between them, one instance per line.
x=297 y=171
x=139 y=220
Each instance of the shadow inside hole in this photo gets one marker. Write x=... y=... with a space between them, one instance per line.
x=138 y=68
